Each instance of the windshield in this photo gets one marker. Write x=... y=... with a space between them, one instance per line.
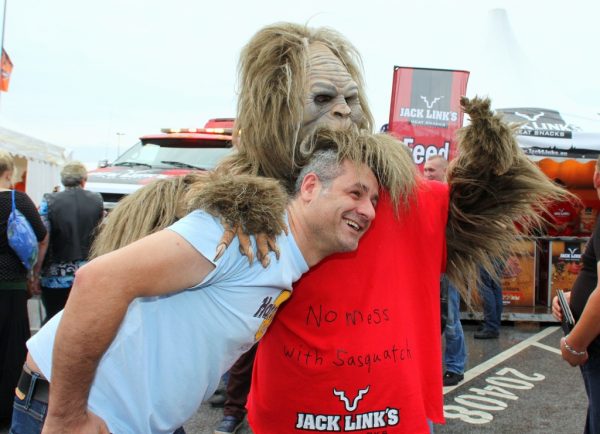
x=199 y=154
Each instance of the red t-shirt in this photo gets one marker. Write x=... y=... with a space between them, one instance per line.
x=357 y=348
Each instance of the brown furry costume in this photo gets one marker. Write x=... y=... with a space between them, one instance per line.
x=493 y=188
x=493 y=184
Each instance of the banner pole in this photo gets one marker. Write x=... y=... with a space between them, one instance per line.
x=2 y=38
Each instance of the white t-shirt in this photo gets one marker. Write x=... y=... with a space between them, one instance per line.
x=171 y=351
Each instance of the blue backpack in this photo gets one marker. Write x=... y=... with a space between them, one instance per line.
x=21 y=237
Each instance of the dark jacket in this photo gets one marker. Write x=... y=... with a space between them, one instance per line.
x=73 y=215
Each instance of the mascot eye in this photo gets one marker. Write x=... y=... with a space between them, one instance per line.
x=323 y=99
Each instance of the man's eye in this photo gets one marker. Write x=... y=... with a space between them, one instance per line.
x=322 y=99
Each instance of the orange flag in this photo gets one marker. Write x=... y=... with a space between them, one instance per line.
x=6 y=67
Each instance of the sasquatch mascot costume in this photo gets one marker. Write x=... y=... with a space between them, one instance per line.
x=357 y=347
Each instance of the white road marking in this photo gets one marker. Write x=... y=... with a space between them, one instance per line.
x=476 y=371
x=546 y=347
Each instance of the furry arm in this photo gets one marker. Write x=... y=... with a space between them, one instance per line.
x=246 y=204
x=493 y=188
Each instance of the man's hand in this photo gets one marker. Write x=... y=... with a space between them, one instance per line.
x=33 y=286
x=88 y=424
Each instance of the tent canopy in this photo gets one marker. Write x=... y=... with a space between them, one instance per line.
x=41 y=160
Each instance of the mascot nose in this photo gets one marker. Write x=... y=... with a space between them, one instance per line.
x=342 y=110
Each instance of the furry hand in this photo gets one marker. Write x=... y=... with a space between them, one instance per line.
x=247 y=205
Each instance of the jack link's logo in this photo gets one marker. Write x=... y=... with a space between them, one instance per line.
x=572 y=254
x=539 y=123
x=342 y=395
x=530 y=118
x=430 y=104
x=349 y=422
x=428 y=116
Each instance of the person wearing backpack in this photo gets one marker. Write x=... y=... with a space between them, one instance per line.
x=15 y=283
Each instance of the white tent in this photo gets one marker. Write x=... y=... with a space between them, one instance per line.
x=42 y=161
x=552 y=126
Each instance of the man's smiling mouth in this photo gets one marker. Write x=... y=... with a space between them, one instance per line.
x=353 y=225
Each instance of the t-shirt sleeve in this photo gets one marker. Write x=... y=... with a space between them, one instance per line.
x=204 y=233
x=28 y=209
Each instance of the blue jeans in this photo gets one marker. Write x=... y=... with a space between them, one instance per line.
x=591 y=379
x=29 y=415
x=491 y=293
x=455 y=353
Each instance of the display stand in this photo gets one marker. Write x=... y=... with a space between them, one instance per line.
x=533 y=273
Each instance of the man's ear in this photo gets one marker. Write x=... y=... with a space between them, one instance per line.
x=310 y=187
x=596 y=179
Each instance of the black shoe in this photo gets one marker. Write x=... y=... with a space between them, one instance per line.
x=217 y=400
x=486 y=334
x=229 y=425
x=452 y=378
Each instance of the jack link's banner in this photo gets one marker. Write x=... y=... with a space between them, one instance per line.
x=425 y=110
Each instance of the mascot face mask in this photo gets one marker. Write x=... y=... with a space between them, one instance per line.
x=331 y=96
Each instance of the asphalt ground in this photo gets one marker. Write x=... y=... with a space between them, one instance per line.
x=515 y=384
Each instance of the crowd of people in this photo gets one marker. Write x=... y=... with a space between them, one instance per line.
x=358 y=243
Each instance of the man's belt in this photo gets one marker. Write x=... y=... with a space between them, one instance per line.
x=30 y=381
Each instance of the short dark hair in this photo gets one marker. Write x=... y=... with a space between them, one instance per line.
x=323 y=163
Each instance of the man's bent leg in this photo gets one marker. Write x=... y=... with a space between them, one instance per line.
x=238 y=385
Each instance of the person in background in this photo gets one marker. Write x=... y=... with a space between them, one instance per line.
x=435 y=168
x=14 y=287
x=455 y=352
x=581 y=347
x=71 y=217
x=490 y=291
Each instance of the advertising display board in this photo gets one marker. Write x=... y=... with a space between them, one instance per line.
x=425 y=110
x=519 y=275
x=564 y=264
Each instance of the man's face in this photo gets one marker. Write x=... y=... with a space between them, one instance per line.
x=331 y=97
x=435 y=170
x=342 y=211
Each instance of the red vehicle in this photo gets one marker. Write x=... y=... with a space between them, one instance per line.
x=173 y=152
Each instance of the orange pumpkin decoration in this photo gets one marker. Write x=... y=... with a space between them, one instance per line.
x=573 y=173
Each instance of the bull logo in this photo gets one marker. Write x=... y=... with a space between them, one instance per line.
x=530 y=118
x=342 y=395
x=430 y=104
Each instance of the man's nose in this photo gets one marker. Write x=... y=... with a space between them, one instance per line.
x=367 y=210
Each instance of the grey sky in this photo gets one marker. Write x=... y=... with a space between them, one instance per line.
x=87 y=70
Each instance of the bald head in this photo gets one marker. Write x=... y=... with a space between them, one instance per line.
x=435 y=168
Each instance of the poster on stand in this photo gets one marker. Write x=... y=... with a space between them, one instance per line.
x=425 y=110
x=519 y=276
x=565 y=264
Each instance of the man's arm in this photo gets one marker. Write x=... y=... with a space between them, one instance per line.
x=103 y=289
x=586 y=329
